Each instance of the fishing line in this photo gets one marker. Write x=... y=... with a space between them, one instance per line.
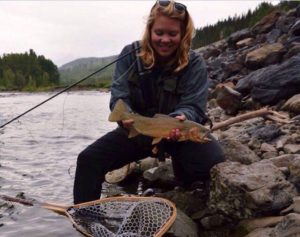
x=63 y=116
x=28 y=131
x=69 y=87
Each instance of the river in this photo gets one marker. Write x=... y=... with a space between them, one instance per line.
x=38 y=155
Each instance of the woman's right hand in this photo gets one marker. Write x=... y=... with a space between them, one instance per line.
x=127 y=123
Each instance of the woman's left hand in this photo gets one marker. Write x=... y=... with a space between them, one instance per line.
x=175 y=133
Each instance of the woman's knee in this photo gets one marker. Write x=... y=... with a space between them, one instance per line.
x=85 y=157
x=217 y=154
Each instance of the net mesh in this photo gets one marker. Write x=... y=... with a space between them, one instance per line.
x=123 y=218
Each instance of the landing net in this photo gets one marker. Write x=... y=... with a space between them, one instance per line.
x=123 y=217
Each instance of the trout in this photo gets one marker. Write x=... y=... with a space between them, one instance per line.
x=158 y=126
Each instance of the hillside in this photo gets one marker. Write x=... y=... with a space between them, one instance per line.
x=79 y=68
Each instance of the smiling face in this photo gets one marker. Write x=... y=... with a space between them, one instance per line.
x=165 y=36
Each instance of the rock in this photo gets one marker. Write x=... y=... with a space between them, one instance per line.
x=284 y=23
x=293 y=104
x=190 y=202
x=295 y=206
x=260 y=232
x=231 y=68
x=266 y=55
x=183 y=226
x=162 y=175
x=249 y=225
x=265 y=133
x=266 y=23
x=295 y=173
x=211 y=222
x=288 y=227
x=269 y=154
x=273 y=36
x=119 y=175
x=298 y=11
x=245 y=42
x=295 y=30
x=292 y=148
x=271 y=84
x=238 y=36
x=245 y=191
x=265 y=147
x=284 y=160
x=280 y=142
x=236 y=151
x=211 y=51
x=228 y=99
x=294 y=50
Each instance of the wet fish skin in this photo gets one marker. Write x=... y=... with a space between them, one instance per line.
x=159 y=126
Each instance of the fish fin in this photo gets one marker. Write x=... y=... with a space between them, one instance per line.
x=133 y=132
x=161 y=116
x=156 y=140
x=119 y=110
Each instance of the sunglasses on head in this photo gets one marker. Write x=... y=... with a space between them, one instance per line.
x=177 y=6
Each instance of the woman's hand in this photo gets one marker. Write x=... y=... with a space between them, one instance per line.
x=175 y=133
x=127 y=123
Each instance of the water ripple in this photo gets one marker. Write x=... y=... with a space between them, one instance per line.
x=38 y=155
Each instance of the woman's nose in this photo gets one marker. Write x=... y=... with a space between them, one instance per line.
x=165 y=39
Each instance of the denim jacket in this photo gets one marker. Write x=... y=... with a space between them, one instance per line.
x=166 y=92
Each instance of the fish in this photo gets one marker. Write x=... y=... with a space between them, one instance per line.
x=158 y=126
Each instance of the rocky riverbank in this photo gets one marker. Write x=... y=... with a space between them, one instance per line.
x=255 y=193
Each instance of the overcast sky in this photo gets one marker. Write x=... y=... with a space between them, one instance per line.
x=66 y=30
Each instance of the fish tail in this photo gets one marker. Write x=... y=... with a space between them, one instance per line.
x=119 y=112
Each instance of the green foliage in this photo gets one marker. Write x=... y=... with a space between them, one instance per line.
x=222 y=29
x=31 y=85
x=27 y=71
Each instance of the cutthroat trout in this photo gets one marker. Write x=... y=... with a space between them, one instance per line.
x=158 y=126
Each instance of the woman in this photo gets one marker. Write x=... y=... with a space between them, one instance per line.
x=164 y=77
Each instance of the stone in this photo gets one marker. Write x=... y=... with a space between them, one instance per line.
x=260 y=232
x=288 y=227
x=245 y=191
x=274 y=83
x=292 y=104
x=266 y=55
x=183 y=226
x=247 y=226
x=292 y=148
x=236 y=151
x=265 y=147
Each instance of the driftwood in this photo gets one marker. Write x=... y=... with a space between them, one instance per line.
x=264 y=112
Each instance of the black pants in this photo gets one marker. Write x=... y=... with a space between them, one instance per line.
x=191 y=161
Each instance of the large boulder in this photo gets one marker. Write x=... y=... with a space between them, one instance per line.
x=245 y=191
x=236 y=151
x=266 y=23
x=271 y=84
x=264 y=56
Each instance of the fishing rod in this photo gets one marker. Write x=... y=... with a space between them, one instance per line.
x=69 y=87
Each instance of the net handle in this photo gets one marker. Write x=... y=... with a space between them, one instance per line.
x=62 y=210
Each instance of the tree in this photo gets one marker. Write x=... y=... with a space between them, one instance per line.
x=19 y=71
x=9 y=79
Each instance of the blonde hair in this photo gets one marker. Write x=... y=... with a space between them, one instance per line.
x=187 y=30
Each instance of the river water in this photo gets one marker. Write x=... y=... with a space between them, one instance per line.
x=38 y=155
